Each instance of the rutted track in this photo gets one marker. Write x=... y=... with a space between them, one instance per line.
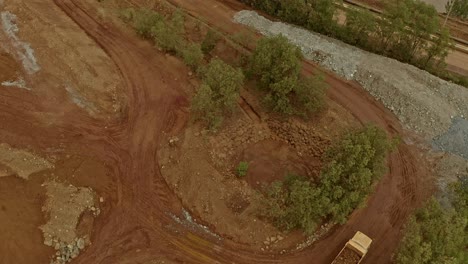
x=156 y=104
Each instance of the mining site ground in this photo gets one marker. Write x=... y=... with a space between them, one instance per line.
x=95 y=106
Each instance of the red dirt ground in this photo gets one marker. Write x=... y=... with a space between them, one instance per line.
x=133 y=226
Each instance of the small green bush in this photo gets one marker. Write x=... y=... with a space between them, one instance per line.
x=166 y=33
x=209 y=42
x=167 y=38
x=145 y=20
x=242 y=169
x=192 y=55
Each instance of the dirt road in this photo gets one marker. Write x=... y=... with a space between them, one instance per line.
x=137 y=227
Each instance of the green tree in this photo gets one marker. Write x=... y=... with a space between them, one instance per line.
x=295 y=203
x=321 y=16
x=275 y=59
x=459 y=9
x=352 y=165
x=277 y=65
x=294 y=11
x=219 y=92
x=434 y=235
x=437 y=51
x=411 y=25
x=360 y=25
x=310 y=93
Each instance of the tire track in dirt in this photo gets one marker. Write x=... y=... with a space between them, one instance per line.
x=136 y=219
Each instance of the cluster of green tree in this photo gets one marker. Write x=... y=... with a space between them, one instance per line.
x=436 y=234
x=167 y=33
x=457 y=8
x=352 y=166
x=276 y=63
x=408 y=30
x=221 y=82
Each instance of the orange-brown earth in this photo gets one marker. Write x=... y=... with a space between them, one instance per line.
x=117 y=155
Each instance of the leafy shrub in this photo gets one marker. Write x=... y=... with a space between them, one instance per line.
x=242 y=169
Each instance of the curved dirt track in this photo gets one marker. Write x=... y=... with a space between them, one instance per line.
x=134 y=228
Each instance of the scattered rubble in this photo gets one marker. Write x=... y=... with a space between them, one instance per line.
x=317 y=235
x=64 y=205
x=22 y=162
x=188 y=221
x=20 y=83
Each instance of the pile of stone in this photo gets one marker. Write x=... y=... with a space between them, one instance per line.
x=304 y=139
x=65 y=252
x=270 y=241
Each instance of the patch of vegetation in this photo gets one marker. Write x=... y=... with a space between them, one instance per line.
x=193 y=55
x=436 y=234
x=457 y=8
x=295 y=203
x=218 y=93
x=242 y=169
x=277 y=65
x=405 y=31
x=352 y=166
x=168 y=33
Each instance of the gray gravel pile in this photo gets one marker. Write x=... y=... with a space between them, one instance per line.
x=455 y=140
x=422 y=102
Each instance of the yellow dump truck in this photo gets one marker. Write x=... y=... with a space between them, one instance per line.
x=354 y=250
